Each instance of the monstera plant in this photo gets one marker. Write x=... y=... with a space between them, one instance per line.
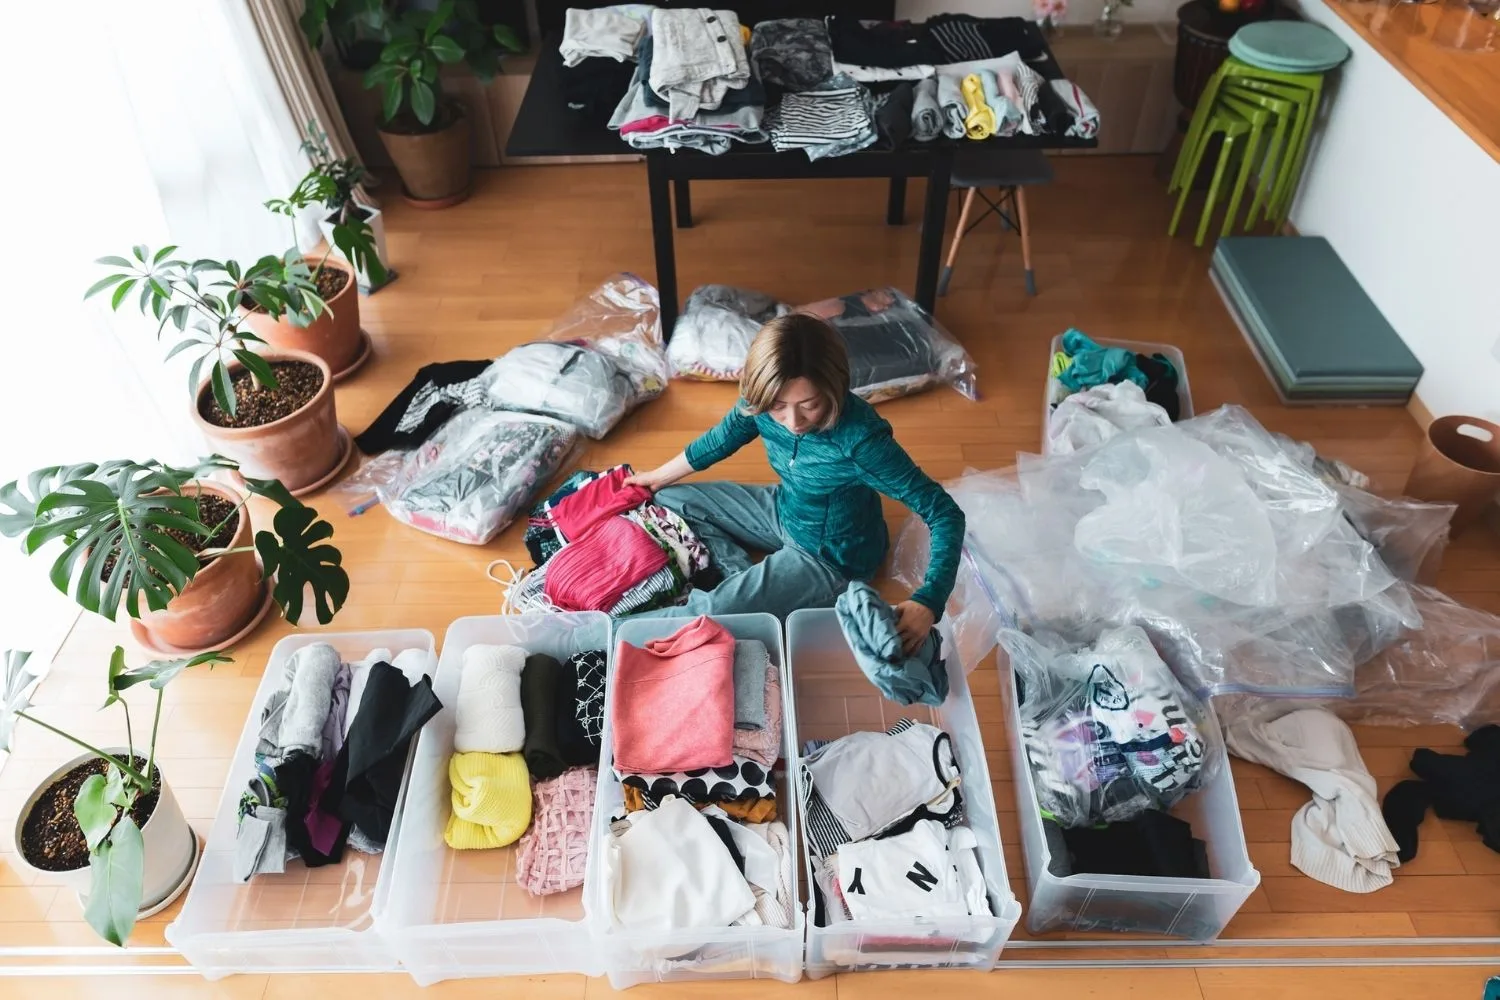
x=106 y=821
x=174 y=548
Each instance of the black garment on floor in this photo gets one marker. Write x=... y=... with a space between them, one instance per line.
x=1153 y=843
x=541 y=693
x=1404 y=808
x=368 y=770
x=294 y=778
x=1161 y=385
x=594 y=87
x=1465 y=788
x=884 y=44
x=434 y=395
x=893 y=116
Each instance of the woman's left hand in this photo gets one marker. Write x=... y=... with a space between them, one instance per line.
x=913 y=622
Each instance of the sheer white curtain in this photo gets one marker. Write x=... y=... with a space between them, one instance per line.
x=160 y=123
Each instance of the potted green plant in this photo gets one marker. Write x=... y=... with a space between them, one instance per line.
x=106 y=821
x=272 y=413
x=175 y=549
x=355 y=231
x=334 y=333
x=427 y=133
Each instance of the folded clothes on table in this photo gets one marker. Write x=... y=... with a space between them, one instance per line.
x=603 y=32
x=792 y=53
x=830 y=121
x=882 y=44
x=699 y=57
x=927 y=117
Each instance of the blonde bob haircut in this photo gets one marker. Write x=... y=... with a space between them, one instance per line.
x=792 y=347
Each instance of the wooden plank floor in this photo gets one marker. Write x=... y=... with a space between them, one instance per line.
x=492 y=273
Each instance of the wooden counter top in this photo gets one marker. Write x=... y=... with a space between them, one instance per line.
x=1419 y=41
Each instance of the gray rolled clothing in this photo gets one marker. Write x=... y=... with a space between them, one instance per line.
x=750 y=663
x=311 y=671
x=926 y=113
x=869 y=625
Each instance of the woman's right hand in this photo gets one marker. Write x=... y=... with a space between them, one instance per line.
x=662 y=476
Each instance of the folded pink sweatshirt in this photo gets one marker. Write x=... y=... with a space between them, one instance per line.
x=673 y=701
x=593 y=573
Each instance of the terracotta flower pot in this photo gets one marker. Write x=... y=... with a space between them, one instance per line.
x=335 y=336
x=434 y=166
x=171 y=845
x=221 y=600
x=304 y=449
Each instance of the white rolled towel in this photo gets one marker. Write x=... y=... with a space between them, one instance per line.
x=488 y=716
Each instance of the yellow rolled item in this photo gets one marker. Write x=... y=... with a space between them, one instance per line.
x=980 y=121
x=1060 y=363
x=491 y=800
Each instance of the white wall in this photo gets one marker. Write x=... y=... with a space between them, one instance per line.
x=1412 y=205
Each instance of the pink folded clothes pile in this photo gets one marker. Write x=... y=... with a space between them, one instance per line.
x=555 y=850
x=594 y=572
x=672 y=701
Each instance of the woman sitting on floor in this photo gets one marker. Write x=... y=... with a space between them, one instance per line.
x=823 y=525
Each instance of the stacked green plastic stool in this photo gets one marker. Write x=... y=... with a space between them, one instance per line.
x=1262 y=101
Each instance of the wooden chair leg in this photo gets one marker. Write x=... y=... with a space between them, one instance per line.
x=958 y=238
x=1024 y=224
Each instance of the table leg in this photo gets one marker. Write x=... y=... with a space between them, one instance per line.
x=658 y=185
x=684 y=203
x=934 y=218
x=895 y=205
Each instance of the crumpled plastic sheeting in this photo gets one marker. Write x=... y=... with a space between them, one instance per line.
x=621 y=319
x=1446 y=673
x=1283 y=597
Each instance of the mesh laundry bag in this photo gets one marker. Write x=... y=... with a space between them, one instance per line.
x=555 y=851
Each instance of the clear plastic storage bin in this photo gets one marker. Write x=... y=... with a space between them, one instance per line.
x=305 y=919
x=1053 y=387
x=456 y=914
x=631 y=957
x=834 y=699
x=1194 y=909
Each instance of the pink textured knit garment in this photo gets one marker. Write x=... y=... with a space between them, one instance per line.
x=555 y=850
x=672 y=703
x=594 y=572
x=764 y=745
x=597 y=501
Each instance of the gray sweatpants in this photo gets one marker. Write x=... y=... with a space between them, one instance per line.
x=734 y=519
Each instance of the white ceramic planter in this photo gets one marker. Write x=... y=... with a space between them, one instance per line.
x=171 y=845
x=376 y=219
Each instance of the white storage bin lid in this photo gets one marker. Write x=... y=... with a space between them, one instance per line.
x=305 y=919
x=455 y=914
x=834 y=699
x=634 y=957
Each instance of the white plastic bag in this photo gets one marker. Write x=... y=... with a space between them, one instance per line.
x=1108 y=731
x=714 y=331
x=481 y=469
x=895 y=347
x=1097 y=414
x=601 y=359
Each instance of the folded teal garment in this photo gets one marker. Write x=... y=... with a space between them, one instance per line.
x=869 y=626
x=1094 y=365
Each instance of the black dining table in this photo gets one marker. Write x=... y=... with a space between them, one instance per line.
x=546 y=127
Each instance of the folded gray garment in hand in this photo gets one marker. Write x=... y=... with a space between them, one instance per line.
x=869 y=626
x=750 y=662
x=311 y=671
x=260 y=846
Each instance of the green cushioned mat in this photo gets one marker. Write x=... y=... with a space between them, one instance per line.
x=1314 y=322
